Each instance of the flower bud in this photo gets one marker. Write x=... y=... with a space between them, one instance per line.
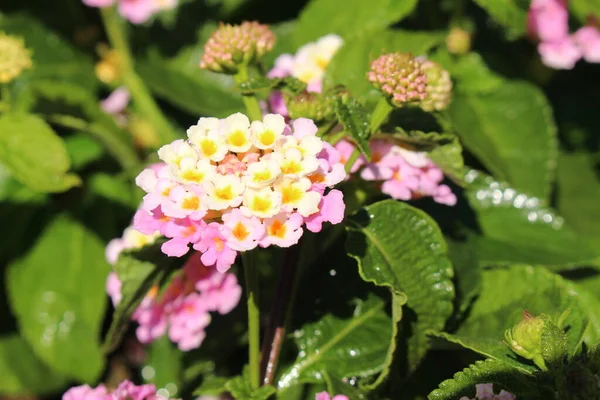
x=525 y=338
x=400 y=77
x=108 y=69
x=315 y=106
x=233 y=45
x=458 y=41
x=14 y=57
x=439 y=87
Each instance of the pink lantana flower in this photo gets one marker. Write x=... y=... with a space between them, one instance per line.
x=327 y=396
x=560 y=54
x=588 y=40
x=283 y=230
x=331 y=209
x=242 y=233
x=548 y=20
x=85 y=392
x=135 y=11
x=214 y=248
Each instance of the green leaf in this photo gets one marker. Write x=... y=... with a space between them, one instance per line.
x=487 y=371
x=512 y=133
x=353 y=18
x=450 y=159
x=82 y=150
x=402 y=248
x=288 y=84
x=583 y=9
x=212 y=385
x=589 y=290
x=352 y=61
x=578 y=194
x=138 y=272
x=164 y=360
x=240 y=388
x=22 y=372
x=467 y=270
x=517 y=227
x=470 y=72
x=531 y=288
x=52 y=57
x=57 y=294
x=181 y=82
x=342 y=347
x=507 y=13
x=355 y=120
x=337 y=386
x=35 y=154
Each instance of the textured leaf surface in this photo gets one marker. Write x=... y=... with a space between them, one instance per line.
x=138 y=272
x=488 y=371
x=355 y=120
x=57 y=293
x=498 y=308
x=322 y=17
x=351 y=63
x=35 y=154
x=402 y=248
x=507 y=13
x=512 y=133
x=578 y=194
x=342 y=347
x=519 y=228
x=22 y=372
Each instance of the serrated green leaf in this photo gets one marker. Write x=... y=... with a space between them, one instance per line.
x=487 y=371
x=352 y=61
x=578 y=194
x=517 y=228
x=512 y=133
x=355 y=119
x=181 y=82
x=288 y=84
x=57 y=294
x=35 y=154
x=22 y=372
x=342 y=347
x=531 y=288
x=353 y=18
x=338 y=387
x=138 y=272
x=508 y=13
x=402 y=248
x=240 y=388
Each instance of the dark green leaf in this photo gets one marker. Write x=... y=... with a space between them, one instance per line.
x=488 y=371
x=22 y=372
x=531 y=288
x=212 y=385
x=138 y=272
x=342 y=347
x=351 y=63
x=164 y=360
x=512 y=133
x=468 y=272
x=470 y=72
x=337 y=386
x=519 y=228
x=450 y=159
x=82 y=150
x=401 y=247
x=353 y=18
x=507 y=13
x=34 y=153
x=57 y=294
x=240 y=388
x=355 y=120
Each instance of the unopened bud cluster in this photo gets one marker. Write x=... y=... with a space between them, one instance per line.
x=400 y=77
x=233 y=45
x=315 y=106
x=14 y=57
x=439 y=87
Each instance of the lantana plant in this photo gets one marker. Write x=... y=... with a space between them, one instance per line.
x=248 y=200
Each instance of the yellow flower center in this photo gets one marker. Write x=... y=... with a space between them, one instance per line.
x=193 y=175
x=277 y=229
x=219 y=243
x=291 y=167
x=237 y=138
x=267 y=138
x=291 y=194
x=208 y=147
x=240 y=232
x=261 y=204
x=224 y=193
x=190 y=203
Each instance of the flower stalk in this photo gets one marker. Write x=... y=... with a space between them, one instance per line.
x=251 y=275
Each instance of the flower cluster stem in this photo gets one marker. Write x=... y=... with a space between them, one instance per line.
x=352 y=159
x=251 y=275
x=139 y=92
x=380 y=114
x=250 y=100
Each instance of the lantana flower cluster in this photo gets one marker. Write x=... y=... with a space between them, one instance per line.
x=125 y=391
x=14 y=57
x=183 y=308
x=485 y=391
x=233 y=186
x=548 y=22
x=404 y=174
x=135 y=11
x=327 y=396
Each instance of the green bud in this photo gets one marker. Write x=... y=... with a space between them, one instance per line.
x=554 y=344
x=525 y=338
x=458 y=41
x=310 y=105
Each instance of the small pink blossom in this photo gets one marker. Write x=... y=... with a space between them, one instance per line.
x=588 y=40
x=137 y=11
x=346 y=149
x=560 y=54
x=190 y=318
x=331 y=209
x=116 y=102
x=129 y=391
x=548 y=20
x=99 y=3
x=85 y=392
x=485 y=391
x=113 y=288
x=242 y=233
x=182 y=232
x=327 y=396
x=283 y=230
x=214 y=248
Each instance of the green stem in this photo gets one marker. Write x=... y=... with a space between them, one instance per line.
x=120 y=150
x=139 y=92
x=380 y=114
x=352 y=159
x=250 y=100
x=251 y=278
x=333 y=138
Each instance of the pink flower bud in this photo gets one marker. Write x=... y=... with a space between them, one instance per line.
x=400 y=77
x=233 y=45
